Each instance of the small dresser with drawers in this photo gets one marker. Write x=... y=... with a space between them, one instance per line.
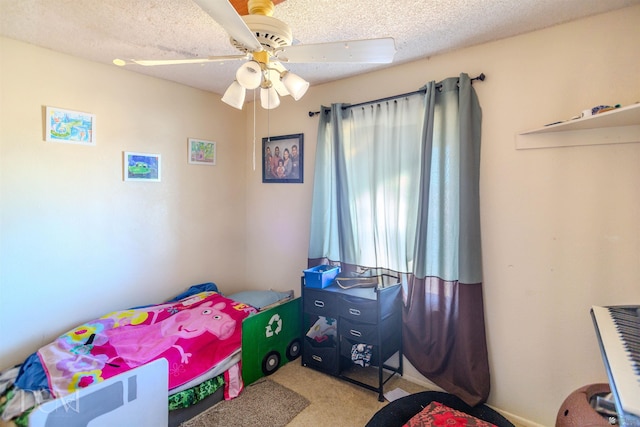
x=353 y=333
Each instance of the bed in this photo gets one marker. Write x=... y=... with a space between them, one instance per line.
x=197 y=338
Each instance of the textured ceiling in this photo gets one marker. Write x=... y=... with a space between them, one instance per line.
x=102 y=30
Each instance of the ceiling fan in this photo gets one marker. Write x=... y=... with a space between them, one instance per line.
x=265 y=43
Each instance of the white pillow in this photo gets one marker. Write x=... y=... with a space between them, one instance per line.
x=260 y=299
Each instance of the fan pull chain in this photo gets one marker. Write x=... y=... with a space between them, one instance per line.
x=254 y=130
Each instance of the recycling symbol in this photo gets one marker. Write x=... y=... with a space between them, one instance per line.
x=275 y=319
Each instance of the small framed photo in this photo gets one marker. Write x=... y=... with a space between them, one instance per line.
x=202 y=152
x=142 y=167
x=72 y=127
x=282 y=159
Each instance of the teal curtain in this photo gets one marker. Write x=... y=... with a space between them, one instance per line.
x=364 y=190
x=396 y=188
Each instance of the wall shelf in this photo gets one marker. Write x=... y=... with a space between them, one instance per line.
x=618 y=126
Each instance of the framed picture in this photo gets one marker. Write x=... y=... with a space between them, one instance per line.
x=202 y=152
x=282 y=158
x=142 y=167
x=73 y=127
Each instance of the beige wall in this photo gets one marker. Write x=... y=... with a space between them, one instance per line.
x=77 y=241
x=560 y=228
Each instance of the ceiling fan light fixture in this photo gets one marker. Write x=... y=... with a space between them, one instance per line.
x=269 y=98
x=296 y=85
x=234 y=95
x=249 y=75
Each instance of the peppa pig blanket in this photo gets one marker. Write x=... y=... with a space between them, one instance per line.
x=193 y=334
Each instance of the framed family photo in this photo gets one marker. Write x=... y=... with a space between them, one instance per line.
x=142 y=167
x=282 y=159
x=71 y=127
x=202 y=152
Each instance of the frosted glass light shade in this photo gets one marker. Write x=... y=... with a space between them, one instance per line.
x=249 y=75
x=269 y=98
x=234 y=95
x=296 y=85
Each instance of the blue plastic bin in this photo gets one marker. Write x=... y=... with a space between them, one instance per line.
x=320 y=276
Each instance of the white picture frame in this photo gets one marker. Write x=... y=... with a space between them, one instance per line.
x=142 y=166
x=201 y=152
x=69 y=126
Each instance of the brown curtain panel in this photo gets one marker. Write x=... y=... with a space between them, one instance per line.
x=444 y=336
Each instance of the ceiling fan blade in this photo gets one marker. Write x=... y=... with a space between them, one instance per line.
x=224 y=14
x=370 y=51
x=152 y=62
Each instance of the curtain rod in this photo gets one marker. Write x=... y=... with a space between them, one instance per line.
x=481 y=77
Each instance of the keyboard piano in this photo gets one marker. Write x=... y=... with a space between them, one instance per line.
x=618 y=331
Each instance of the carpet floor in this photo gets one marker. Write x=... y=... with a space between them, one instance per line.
x=333 y=402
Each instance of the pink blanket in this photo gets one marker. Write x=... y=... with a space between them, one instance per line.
x=193 y=334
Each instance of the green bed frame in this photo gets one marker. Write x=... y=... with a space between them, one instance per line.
x=270 y=339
